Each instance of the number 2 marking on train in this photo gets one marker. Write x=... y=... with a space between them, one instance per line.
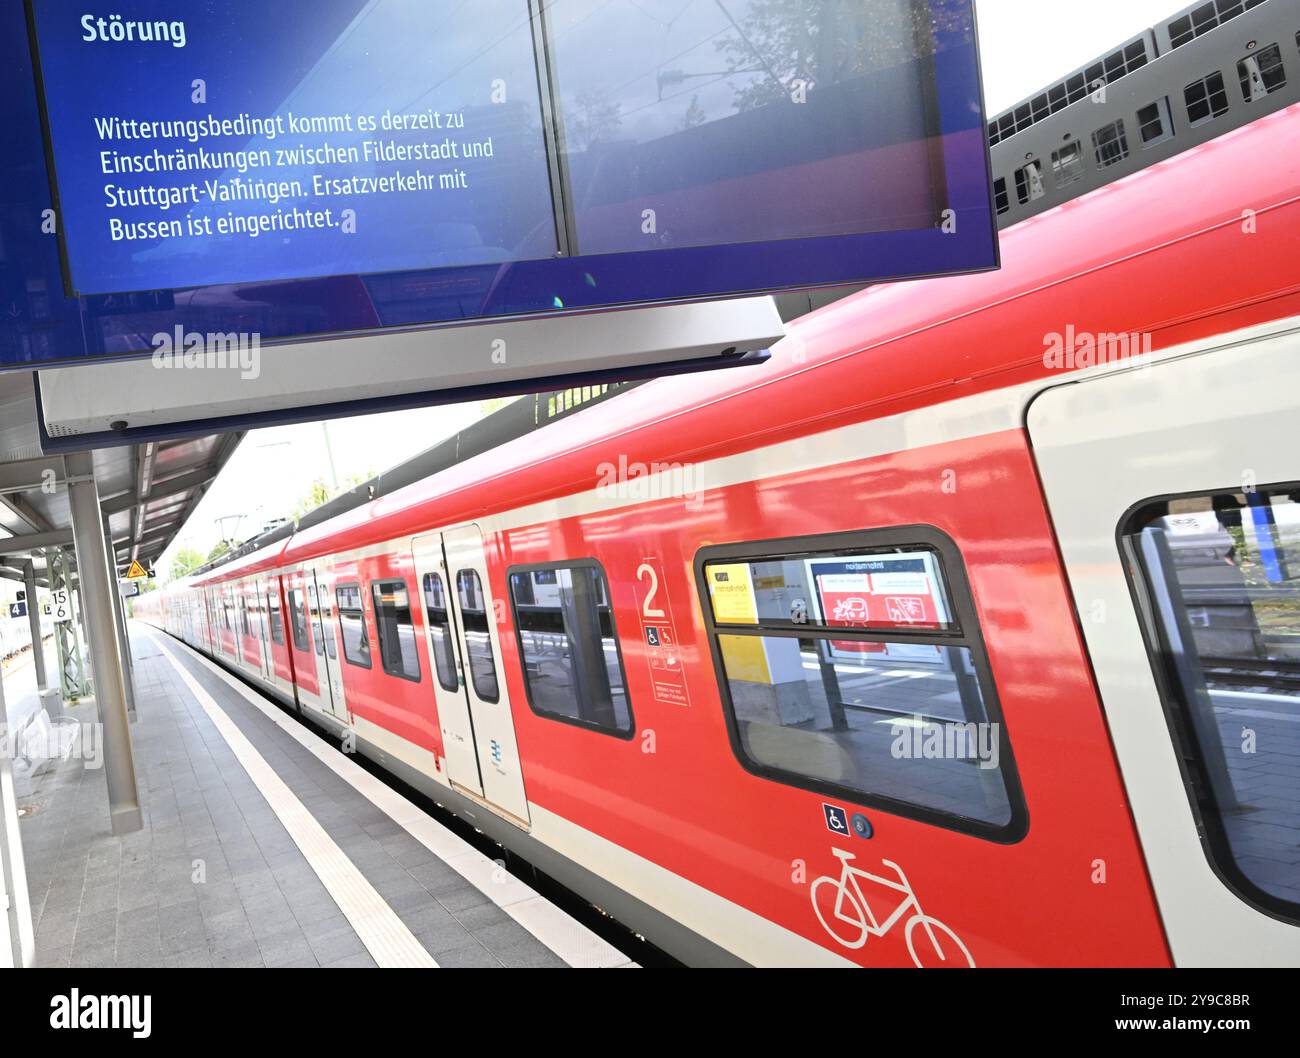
x=648 y=608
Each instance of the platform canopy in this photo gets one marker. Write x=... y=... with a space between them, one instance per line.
x=147 y=491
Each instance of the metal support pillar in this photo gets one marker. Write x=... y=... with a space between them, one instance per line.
x=15 y=902
x=72 y=671
x=123 y=637
x=34 y=619
x=98 y=585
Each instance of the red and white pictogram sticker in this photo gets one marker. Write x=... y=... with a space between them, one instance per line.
x=659 y=635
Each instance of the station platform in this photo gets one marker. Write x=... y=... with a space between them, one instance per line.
x=265 y=846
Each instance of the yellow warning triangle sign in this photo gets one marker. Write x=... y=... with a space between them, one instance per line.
x=137 y=572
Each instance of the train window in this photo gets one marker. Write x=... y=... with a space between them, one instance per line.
x=253 y=615
x=440 y=635
x=1029 y=183
x=853 y=665
x=1206 y=99
x=1154 y=123
x=276 y=620
x=298 y=617
x=314 y=608
x=1261 y=73
x=573 y=670
x=1218 y=579
x=1110 y=143
x=396 y=626
x=330 y=650
x=478 y=635
x=1067 y=164
x=243 y=617
x=1001 y=197
x=352 y=623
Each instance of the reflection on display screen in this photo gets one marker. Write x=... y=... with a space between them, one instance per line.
x=200 y=144
x=746 y=120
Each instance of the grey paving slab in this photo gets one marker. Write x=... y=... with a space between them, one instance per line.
x=215 y=879
x=419 y=887
x=199 y=885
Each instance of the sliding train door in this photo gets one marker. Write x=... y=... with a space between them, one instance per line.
x=1174 y=488
x=325 y=630
x=464 y=654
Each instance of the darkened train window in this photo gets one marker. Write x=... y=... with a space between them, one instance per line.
x=396 y=626
x=1206 y=99
x=277 y=621
x=572 y=667
x=478 y=635
x=314 y=608
x=330 y=649
x=298 y=619
x=1261 y=73
x=853 y=665
x=242 y=614
x=1219 y=583
x=352 y=622
x=440 y=634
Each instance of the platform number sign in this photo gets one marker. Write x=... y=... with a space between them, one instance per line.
x=61 y=604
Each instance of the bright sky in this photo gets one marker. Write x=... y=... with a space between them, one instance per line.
x=1026 y=45
x=275 y=468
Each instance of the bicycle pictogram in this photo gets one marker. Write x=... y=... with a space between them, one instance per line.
x=846 y=914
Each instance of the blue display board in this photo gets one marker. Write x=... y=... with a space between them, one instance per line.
x=316 y=167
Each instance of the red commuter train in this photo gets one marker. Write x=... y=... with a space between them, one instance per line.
x=965 y=631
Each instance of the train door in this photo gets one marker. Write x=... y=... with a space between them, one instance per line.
x=331 y=622
x=320 y=606
x=261 y=629
x=277 y=639
x=302 y=640
x=229 y=627
x=246 y=614
x=465 y=658
x=1173 y=490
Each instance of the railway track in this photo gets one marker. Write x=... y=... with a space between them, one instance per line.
x=1277 y=677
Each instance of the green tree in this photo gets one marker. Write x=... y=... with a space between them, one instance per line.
x=222 y=549
x=824 y=42
x=317 y=496
x=595 y=119
x=185 y=562
x=694 y=116
x=320 y=493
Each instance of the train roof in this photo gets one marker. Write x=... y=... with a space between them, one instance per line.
x=1155 y=253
